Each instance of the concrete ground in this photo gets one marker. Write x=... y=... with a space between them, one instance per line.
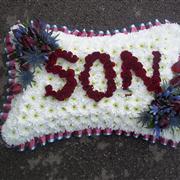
x=99 y=158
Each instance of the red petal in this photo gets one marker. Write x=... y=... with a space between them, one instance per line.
x=175 y=81
x=176 y=67
x=126 y=55
x=16 y=88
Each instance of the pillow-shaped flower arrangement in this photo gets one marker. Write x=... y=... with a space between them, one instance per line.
x=63 y=83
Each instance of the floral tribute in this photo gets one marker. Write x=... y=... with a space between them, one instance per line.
x=117 y=83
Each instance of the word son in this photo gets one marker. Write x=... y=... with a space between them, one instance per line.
x=129 y=63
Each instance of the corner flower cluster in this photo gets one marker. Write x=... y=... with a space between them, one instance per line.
x=33 y=45
x=164 y=110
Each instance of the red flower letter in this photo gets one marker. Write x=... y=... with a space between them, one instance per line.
x=51 y=67
x=130 y=62
x=110 y=74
